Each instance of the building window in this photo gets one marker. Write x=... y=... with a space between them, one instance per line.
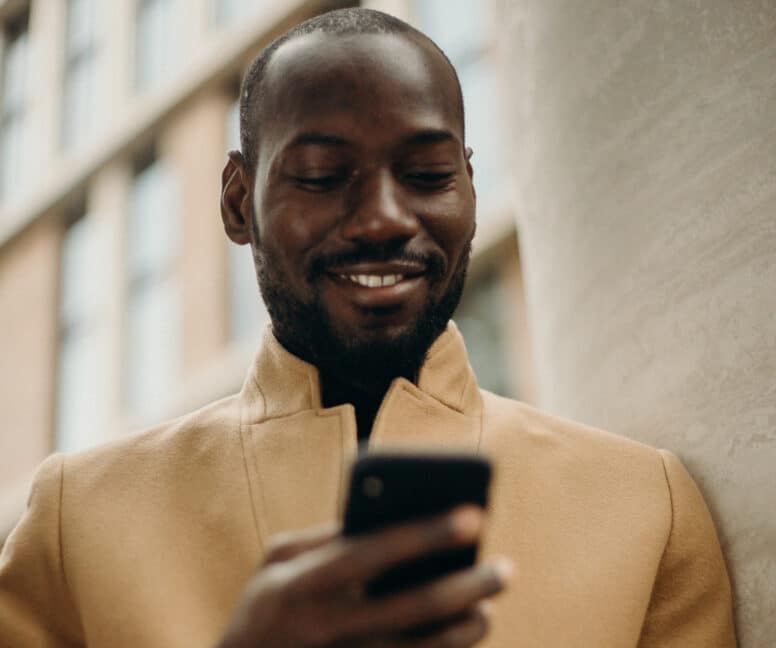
x=79 y=110
x=480 y=317
x=247 y=313
x=227 y=11
x=13 y=108
x=153 y=321
x=154 y=42
x=82 y=343
x=463 y=30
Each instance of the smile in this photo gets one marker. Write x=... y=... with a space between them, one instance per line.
x=378 y=289
x=374 y=280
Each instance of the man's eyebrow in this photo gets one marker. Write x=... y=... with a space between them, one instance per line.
x=431 y=136
x=321 y=139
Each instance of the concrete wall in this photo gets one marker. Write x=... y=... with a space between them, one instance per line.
x=645 y=165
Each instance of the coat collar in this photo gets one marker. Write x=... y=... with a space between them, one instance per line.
x=280 y=384
x=298 y=454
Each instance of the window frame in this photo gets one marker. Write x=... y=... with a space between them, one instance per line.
x=13 y=113
x=78 y=59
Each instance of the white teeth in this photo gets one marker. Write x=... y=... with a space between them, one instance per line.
x=374 y=281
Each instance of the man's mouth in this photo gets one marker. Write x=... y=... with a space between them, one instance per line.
x=376 y=274
x=373 y=280
x=380 y=284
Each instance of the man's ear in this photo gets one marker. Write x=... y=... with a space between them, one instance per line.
x=467 y=154
x=236 y=188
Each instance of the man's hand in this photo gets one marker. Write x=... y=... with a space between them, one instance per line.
x=309 y=591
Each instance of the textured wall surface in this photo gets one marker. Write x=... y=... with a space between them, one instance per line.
x=645 y=167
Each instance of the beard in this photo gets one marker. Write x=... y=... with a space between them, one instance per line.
x=306 y=329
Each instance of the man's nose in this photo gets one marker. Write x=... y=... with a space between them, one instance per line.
x=379 y=212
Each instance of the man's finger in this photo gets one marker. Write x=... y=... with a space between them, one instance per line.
x=284 y=546
x=466 y=630
x=358 y=560
x=441 y=599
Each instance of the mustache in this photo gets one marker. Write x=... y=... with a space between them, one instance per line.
x=433 y=262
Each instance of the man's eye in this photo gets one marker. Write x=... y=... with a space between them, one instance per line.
x=318 y=183
x=429 y=179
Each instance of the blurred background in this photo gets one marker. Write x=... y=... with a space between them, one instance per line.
x=123 y=303
x=625 y=165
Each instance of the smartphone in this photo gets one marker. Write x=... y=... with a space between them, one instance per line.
x=388 y=489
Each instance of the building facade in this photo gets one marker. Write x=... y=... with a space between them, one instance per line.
x=122 y=303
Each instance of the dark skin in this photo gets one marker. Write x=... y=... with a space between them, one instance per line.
x=365 y=155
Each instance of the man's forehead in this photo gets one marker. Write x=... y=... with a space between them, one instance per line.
x=320 y=52
x=322 y=73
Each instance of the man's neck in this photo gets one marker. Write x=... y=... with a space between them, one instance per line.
x=366 y=401
x=365 y=392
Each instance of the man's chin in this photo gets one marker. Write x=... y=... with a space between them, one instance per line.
x=376 y=351
x=373 y=334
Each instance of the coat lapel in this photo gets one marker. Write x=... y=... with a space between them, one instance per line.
x=410 y=418
x=298 y=454
x=444 y=410
x=298 y=466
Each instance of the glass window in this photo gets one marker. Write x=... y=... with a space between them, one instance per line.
x=13 y=109
x=78 y=104
x=480 y=319
x=247 y=313
x=463 y=30
x=81 y=361
x=153 y=327
x=233 y=126
x=460 y=27
x=227 y=11
x=154 y=42
x=481 y=116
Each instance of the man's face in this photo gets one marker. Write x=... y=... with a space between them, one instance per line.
x=364 y=205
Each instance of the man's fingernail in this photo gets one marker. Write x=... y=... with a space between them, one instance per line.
x=504 y=569
x=467 y=523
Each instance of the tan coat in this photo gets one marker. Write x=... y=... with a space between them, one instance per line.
x=148 y=542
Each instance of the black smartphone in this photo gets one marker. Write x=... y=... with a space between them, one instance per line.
x=387 y=489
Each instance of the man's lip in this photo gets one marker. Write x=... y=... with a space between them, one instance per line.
x=407 y=269
x=378 y=296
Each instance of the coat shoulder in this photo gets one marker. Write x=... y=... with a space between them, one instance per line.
x=171 y=447
x=506 y=420
x=527 y=440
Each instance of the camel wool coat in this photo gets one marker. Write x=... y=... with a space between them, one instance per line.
x=148 y=542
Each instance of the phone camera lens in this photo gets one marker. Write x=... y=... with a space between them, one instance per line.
x=372 y=486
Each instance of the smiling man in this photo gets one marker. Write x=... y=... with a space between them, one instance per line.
x=355 y=161
x=354 y=190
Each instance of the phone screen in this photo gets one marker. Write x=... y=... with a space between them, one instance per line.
x=387 y=489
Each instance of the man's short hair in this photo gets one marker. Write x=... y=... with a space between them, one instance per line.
x=341 y=22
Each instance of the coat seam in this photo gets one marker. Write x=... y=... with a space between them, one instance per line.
x=481 y=422
x=669 y=535
x=60 y=552
x=60 y=545
x=251 y=495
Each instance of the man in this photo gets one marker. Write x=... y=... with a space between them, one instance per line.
x=354 y=190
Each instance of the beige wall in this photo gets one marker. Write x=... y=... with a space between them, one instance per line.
x=192 y=146
x=28 y=308
x=645 y=165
